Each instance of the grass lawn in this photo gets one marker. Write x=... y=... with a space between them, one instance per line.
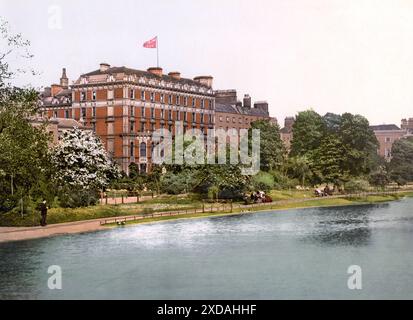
x=181 y=202
x=319 y=202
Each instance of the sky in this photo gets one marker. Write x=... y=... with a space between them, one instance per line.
x=329 y=55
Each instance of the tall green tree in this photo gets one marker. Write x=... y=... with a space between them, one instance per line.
x=24 y=161
x=360 y=144
x=401 y=165
x=328 y=161
x=299 y=167
x=271 y=146
x=308 y=130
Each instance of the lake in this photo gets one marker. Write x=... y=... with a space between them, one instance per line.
x=291 y=254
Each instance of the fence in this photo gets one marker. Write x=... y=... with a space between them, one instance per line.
x=230 y=207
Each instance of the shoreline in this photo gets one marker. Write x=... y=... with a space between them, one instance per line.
x=11 y=234
x=226 y=213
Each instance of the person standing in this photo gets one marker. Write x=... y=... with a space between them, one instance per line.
x=43 y=212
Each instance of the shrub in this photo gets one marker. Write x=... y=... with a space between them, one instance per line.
x=263 y=181
x=357 y=185
x=282 y=181
x=78 y=198
x=172 y=184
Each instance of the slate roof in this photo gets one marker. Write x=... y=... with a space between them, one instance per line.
x=129 y=71
x=385 y=127
x=229 y=108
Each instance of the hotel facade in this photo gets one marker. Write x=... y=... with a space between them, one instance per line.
x=124 y=106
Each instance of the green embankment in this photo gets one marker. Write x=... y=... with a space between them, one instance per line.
x=319 y=202
x=171 y=203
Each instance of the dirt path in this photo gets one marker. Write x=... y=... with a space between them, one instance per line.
x=24 y=233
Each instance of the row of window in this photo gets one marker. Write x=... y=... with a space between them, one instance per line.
x=179 y=100
x=169 y=114
x=234 y=119
x=152 y=127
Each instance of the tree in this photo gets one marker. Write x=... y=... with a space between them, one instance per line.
x=308 y=130
x=271 y=145
x=380 y=177
x=299 y=167
x=24 y=161
x=401 y=165
x=82 y=164
x=360 y=144
x=328 y=161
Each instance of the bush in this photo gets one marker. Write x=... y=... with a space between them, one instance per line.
x=263 y=181
x=173 y=183
x=282 y=181
x=78 y=198
x=356 y=185
x=178 y=183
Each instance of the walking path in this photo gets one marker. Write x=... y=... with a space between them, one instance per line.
x=24 y=233
x=8 y=234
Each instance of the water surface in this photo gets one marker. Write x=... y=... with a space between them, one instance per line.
x=292 y=254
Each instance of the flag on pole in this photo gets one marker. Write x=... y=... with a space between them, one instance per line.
x=151 y=44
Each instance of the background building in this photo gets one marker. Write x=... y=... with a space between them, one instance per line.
x=407 y=124
x=233 y=114
x=286 y=132
x=387 y=134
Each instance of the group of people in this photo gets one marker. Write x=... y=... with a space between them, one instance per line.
x=258 y=197
x=327 y=191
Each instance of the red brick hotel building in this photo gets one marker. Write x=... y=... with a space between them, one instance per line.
x=124 y=106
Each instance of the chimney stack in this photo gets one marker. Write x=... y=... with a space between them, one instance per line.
x=55 y=89
x=247 y=101
x=104 y=67
x=226 y=96
x=175 y=75
x=204 y=80
x=289 y=122
x=156 y=71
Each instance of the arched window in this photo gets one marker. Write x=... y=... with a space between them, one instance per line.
x=142 y=149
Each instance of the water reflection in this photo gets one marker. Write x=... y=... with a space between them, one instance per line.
x=341 y=226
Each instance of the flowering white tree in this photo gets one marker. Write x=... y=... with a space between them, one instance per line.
x=82 y=162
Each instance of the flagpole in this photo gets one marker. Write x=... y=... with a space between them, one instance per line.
x=157 y=52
